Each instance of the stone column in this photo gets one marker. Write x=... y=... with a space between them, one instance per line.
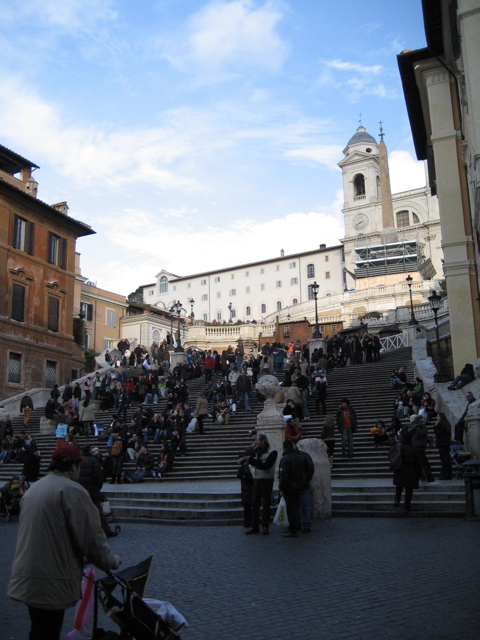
x=270 y=421
x=471 y=436
x=321 y=483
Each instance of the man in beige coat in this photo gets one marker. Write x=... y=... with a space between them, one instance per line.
x=59 y=527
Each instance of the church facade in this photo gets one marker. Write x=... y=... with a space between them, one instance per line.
x=387 y=238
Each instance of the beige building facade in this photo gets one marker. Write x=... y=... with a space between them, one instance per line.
x=102 y=312
x=442 y=92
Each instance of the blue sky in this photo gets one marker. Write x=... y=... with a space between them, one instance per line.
x=194 y=135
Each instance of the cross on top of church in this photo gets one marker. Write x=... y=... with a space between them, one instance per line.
x=381 y=130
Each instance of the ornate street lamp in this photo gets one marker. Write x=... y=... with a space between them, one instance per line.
x=230 y=309
x=171 y=311
x=413 y=321
x=192 y=315
x=434 y=300
x=316 y=331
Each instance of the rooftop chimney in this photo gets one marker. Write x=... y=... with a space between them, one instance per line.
x=31 y=187
x=62 y=207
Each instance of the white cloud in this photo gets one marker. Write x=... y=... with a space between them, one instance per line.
x=187 y=252
x=359 y=80
x=227 y=36
x=68 y=15
x=354 y=66
x=327 y=155
x=405 y=172
x=83 y=153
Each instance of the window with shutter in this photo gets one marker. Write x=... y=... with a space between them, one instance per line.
x=57 y=250
x=111 y=318
x=53 y=309
x=23 y=235
x=18 y=303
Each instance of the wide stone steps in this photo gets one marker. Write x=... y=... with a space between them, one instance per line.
x=214 y=457
x=447 y=500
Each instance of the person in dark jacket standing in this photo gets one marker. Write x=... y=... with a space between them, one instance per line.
x=292 y=479
x=408 y=475
x=244 y=386
x=419 y=432
x=91 y=477
x=263 y=460
x=304 y=498
x=347 y=425
x=443 y=437
x=244 y=474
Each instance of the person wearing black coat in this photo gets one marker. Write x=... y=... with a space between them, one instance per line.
x=408 y=475
x=304 y=498
x=292 y=479
x=244 y=474
x=443 y=437
x=91 y=478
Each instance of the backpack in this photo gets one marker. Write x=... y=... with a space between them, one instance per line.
x=395 y=457
x=117 y=448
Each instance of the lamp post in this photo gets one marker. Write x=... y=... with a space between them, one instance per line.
x=316 y=331
x=192 y=315
x=413 y=321
x=177 y=308
x=434 y=300
x=171 y=311
x=230 y=309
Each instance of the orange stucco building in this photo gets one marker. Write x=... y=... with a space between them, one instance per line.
x=37 y=283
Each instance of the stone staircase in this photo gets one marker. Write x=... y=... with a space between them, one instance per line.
x=361 y=486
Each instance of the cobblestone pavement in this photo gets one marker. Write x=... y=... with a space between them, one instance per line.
x=356 y=579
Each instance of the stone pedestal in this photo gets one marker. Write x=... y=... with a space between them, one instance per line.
x=47 y=427
x=321 y=483
x=471 y=436
x=177 y=357
x=317 y=343
x=270 y=421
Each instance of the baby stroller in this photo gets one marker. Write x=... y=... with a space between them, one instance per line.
x=11 y=494
x=136 y=619
x=459 y=455
x=110 y=515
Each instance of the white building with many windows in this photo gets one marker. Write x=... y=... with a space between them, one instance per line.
x=251 y=291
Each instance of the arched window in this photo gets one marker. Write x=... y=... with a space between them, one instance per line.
x=234 y=313
x=156 y=335
x=379 y=187
x=310 y=270
x=415 y=218
x=263 y=308
x=310 y=292
x=205 y=317
x=279 y=305
x=163 y=284
x=359 y=185
x=248 y=311
x=403 y=219
x=295 y=301
x=219 y=316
